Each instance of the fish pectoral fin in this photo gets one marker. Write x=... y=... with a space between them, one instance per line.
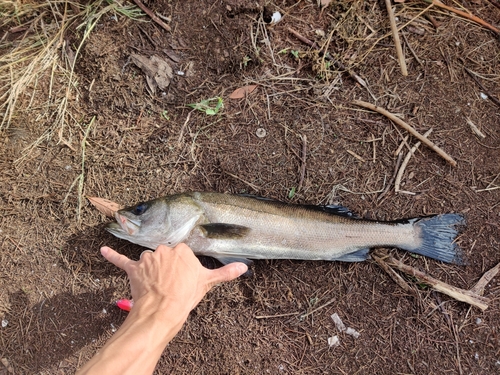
x=230 y=259
x=224 y=231
x=357 y=256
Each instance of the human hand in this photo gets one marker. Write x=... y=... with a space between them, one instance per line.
x=166 y=285
x=171 y=277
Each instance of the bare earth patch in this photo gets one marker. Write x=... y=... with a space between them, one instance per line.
x=96 y=122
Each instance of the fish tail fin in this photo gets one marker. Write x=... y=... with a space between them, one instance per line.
x=438 y=234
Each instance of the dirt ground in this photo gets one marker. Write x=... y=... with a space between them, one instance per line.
x=107 y=134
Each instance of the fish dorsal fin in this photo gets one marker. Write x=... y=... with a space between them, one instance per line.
x=330 y=208
x=224 y=231
x=337 y=210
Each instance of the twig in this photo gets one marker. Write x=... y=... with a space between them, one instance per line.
x=467 y=296
x=303 y=166
x=470 y=17
x=255 y=187
x=483 y=281
x=319 y=308
x=388 y=186
x=355 y=155
x=412 y=50
x=399 y=176
x=491 y=97
x=82 y=175
x=395 y=34
x=401 y=145
x=408 y=128
x=181 y=133
x=153 y=16
x=374 y=159
x=474 y=128
x=393 y=274
x=274 y=316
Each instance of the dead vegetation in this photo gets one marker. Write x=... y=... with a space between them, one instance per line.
x=79 y=118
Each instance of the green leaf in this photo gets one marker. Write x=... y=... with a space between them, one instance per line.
x=207 y=105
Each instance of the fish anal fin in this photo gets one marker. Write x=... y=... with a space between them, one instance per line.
x=229 y=259
x=224 y=231
x=357 y=256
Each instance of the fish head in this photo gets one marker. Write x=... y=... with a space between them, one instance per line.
x=166 y=221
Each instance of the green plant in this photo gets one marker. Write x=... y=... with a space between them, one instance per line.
x=210 y=106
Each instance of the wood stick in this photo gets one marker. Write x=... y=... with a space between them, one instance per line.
x=408 y=128
x=388 y=186
x=395 y=35
x=274 y=316
x=462 y=295
x=356 y=155
x=470 y=17
x=153 y=16
x=393 y=274
x=491 y=97
x=319 y=308
x=487 y=277
x=399 y=176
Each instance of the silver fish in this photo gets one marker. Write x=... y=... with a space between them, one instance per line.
x=238 y=228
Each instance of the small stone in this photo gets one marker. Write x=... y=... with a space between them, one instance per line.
x=352 y=332
x=5 y=322
x=261 y=132
x=338 y=322
x=479 y=321
x=333 y=341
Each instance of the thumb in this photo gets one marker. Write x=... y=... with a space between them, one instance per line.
x=227 y=273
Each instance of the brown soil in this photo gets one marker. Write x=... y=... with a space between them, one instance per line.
x=56 y=291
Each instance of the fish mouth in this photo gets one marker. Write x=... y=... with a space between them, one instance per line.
x=124 y=225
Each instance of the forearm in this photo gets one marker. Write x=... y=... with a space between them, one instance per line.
x=136 y=347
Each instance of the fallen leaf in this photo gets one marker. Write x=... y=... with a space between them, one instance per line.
x=242 y=92
x=157 y=70
x=105 y=206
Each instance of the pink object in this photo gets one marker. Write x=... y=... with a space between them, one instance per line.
x=125 y=304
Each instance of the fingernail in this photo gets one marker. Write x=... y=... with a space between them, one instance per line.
x=242 y=268
x=104 y=251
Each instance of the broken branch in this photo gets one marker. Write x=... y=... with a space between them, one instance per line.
x=408 y=128
x=463 y=14
x=153 y=16
x=399 y=176
x=467 y=296
x=397 y=41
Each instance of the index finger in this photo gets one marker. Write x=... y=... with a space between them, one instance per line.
x=117 y=259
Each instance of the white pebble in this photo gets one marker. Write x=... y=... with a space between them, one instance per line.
x=352 y=332
x=333 y=341
x=483 y=96
x=5 y=322
x=276 y=17
x=261 y=132
x=338 y=322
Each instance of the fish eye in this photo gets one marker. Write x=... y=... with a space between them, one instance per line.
x=140 y=209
